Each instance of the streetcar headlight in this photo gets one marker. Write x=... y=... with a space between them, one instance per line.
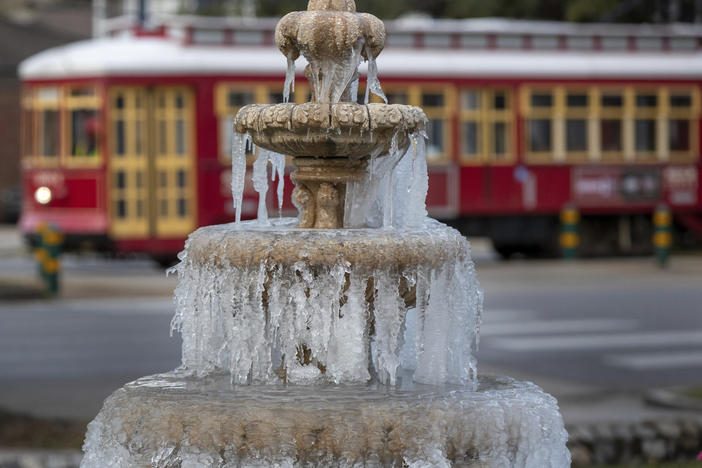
x=42 y=195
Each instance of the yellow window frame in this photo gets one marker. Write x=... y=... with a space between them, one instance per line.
x=610 y=113
x=486 y=117
x=71 y=103
x=690 y=114
x=586 y=113
x=37 y=104
x=552 y=114
x=657 y=114
x=445 y=113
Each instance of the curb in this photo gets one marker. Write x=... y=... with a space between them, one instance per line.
x=672 y=398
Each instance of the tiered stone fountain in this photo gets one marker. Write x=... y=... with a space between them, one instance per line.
x=343 y=337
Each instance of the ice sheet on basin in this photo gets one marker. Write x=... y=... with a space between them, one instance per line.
x=176 y=419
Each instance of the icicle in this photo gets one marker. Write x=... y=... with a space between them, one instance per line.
x=278 y=162
x=289 y=85
x=260 y=182
x=239 y=144
x=354 y=90
x=373 y=84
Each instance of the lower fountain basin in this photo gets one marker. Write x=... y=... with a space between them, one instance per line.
x=174 y=419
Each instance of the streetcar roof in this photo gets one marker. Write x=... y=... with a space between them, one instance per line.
x=135 y=56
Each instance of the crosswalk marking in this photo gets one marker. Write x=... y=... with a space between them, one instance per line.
x=534 y=327
x=662 y=360
x=507 y=315
x=598 y=341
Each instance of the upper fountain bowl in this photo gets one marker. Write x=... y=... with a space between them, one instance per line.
x=323 y=130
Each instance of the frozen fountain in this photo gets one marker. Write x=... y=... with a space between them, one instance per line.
x=343 y=337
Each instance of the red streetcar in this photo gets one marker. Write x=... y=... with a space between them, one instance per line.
x=126 y=138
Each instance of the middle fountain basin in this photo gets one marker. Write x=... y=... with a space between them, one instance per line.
x=275 y=304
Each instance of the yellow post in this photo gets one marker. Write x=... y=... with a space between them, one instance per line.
x=662 y=234
x=569 y=238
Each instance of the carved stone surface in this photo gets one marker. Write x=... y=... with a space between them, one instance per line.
x=364 y=248
x=321 y=130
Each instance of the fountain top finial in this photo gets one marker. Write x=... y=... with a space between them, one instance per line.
x=332 y=5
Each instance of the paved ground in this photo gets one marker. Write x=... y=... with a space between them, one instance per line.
x=596 y=334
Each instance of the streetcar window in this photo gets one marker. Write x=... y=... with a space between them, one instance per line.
x=612 y=100
x=119 y=138
x=84 y=123
x=576 y=135
x=49 y=133
x=182 y=204
x=432 y=100
x=679 y=135
x=239 y=99
x=180 y=136
x=435 y=144
x=645 y=135
x=611 y=134
x=275 y=98
x=179 y=101
x=471 y=137
x=577 y=100
x=541 y=100
x=119 y=102
x=499 y=101
x=680 y=100
x=181 y=178
x=121 y=180
x=540 y=135
x=471 y=100
x=138 y=137
x=646 y=100
x=499 y=135
x=121 y=208
x=396 y=98
x=162 y=144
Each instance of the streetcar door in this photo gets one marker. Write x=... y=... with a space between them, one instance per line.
x=174 y=207
x=129 y=165
x=151 y=168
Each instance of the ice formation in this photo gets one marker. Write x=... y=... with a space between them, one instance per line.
x=254 y=320
x=175 y=420
x=240 y=144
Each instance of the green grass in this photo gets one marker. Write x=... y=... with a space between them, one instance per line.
x=694 y=393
